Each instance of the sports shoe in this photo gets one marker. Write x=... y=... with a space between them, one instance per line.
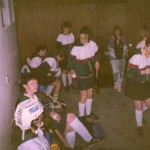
x=140 y=131
x=92 y=142
x=92 y=116
x=82 y=119
x=66 y=88
x=115 y=86
x=72 y=87
x=119 y=88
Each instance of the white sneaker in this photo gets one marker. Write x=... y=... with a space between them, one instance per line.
x=115 y=86
x=119 y=88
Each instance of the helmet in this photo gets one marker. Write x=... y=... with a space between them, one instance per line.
x=26 y=112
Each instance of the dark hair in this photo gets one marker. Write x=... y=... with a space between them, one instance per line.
x=41 y=47
x=146 y=30
x=117 y=27
x=66 y=24
x=147 y=42
x=25 y=77
x=86 y=30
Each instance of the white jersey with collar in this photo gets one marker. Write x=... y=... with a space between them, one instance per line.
x=35 y=62
x=86 y=51
x=65 y=39
x=52 y=63
x=140 y=61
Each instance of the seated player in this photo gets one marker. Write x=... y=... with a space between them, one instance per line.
x=66 y=123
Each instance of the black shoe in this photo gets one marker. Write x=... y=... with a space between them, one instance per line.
x=92 y=142
x=92 y=116
x=66 y=88
x=140 y=131
x=72 y=87
x=82 y=119
x=100 y=140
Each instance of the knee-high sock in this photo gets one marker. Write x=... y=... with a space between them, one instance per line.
x=69 y=78
x=81 y=130
x=49 y=89
x=64 y=79
x=139 y=117
x=145 y=107
x=88 y=106
x=81 y=109
x=70 y=137
x=55 y=98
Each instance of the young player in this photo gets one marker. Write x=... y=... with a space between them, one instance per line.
x=117 y=53
x=83 y=63
x=42 y=71
x=144 y=34
x=50 y=66
x=66 y=123
x=138 y=83
x=29 y=118
x=64 y=43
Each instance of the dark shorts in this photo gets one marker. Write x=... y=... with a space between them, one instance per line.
x=137 y=90
x=85 y=83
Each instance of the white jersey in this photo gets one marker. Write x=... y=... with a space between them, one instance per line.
x=141 y=61
x=37 y=143
x=53 y=65
x=35 y=62
x=25 y=69
x=65 y=39
x=86 y=51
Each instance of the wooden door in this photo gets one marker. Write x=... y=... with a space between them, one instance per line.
x=78 y=14
x=106 y=15
x=36 y=24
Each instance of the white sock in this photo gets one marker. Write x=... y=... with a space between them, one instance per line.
x=49 y=89
x=145 y=107
x=139 y=117
x=64 y=79
x=69 y=79
x=70 y=137
x=81 y=109
x=81 y=130
x=88 y=106
x=55 y=98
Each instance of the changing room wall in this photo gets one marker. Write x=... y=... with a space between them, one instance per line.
x=38 y=22
x=9 y=74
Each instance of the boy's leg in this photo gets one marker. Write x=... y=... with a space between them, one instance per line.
x=64 y=78
x=70 y=137
x=82 y=103
x=57 y=85
x=121 y=64
x=115 y=72
x=139 y=117
x=89 y=101
x=81 y=130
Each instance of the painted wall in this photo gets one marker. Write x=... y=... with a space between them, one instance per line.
x=9 y=67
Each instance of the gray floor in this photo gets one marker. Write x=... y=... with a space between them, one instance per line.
x=117 y=118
